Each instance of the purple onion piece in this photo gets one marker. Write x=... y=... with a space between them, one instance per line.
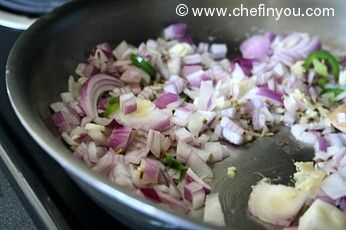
x=93 y=88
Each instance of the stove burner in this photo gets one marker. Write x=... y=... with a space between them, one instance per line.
x=33 y=7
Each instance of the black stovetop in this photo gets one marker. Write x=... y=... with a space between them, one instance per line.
x=35 y=192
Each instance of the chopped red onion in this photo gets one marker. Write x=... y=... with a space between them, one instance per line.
x=192 y=59
x=93 y=88
x=105 y=163
x=154 y=142
x=218 y=51
x=165 y=99
x=102 y=104
x=232 y=137
x=254 y=93
x=151 y=194
x=189 y=69
x=213 y=210
x=194 y=193
x=128 y=103
x=226 y=123
x=270 y=94
x=334 y=186
x=197 y=77
x=183 y=134
x=90 y=70
x=135 y=75
x=230 y=113
x=175 y=31
x=120 y=51
x=119 y=138
x=206 y=98
x=202 y=47
x=245 y=64
x=190 y=189
x=255 y=47
x=135 y=156
x=199 y=166
x=174 y=203
x=192 y=177
x=322 y=144
x=106 y=48
x=181 y=116
x=66 y=119
x=150 y=173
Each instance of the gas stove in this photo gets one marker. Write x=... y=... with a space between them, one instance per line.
x=35 y=192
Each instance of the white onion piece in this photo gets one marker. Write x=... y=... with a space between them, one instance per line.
x=183 y=134
x=105 y=163
x=197 y=77
x=198 y=120
x=120 y=50
x=67 y=97
x=154 y=142
x=97 y=136
x=199 y=166
x=230 y=113
x=57 y=106
x=334 y=186
x=146 y=117
x=215 y=149
x=192 y=59
x=277 y=204
x=213 y=211
x=173 y=202
x=183 y=151
x=68 y=139
x=232 y=137
x=322 y=215
x=218 y=51
x=206 y=98
x=135 y=156
x=191 y=176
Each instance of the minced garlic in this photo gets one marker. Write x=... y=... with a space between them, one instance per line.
x=231 y=172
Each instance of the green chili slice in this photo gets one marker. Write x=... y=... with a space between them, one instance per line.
x=335 y=91
x=112 y=106
x=141 y=63
x=170 y=162
x=319 y=59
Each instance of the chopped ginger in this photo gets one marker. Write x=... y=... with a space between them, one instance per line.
x=231 y=172
x=308 y=178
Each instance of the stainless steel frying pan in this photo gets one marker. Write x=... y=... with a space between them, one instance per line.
x=45 y=55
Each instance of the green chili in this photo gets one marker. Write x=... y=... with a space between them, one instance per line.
x=141 y=63
x=170 y=162
x=320 y=60
x=335 y=91
x=112 y=106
